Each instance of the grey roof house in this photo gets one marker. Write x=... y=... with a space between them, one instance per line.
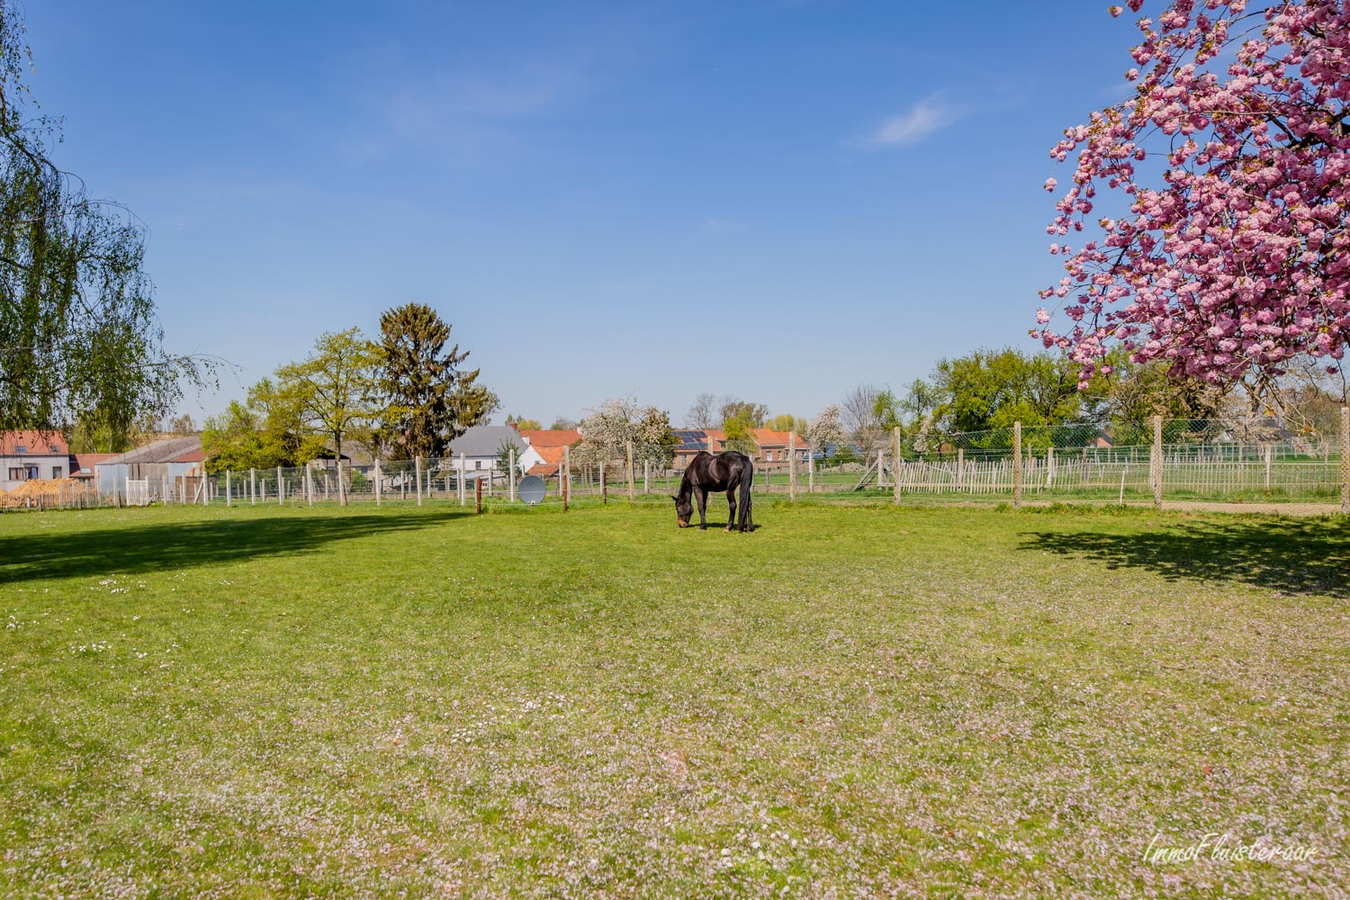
x=480 y=446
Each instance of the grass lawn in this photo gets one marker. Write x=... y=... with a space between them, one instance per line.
x=850 y=701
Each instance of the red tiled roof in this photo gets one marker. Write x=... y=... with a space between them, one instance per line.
x=553 y=457
x=85 y=462
x=36 y=443
x=192 y=456
x=766 y=438
x=551 y=437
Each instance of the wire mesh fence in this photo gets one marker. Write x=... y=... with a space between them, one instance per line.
x=1181 y=459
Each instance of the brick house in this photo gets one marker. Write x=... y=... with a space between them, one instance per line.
x=774 y=448
x=694 y=441
x=32 y=455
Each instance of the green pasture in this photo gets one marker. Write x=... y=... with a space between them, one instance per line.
x=854 y=700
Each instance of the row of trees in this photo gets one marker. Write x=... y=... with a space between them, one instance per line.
x=986 y=391
x=399 y=396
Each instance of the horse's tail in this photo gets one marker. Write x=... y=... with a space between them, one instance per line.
x=747 y=483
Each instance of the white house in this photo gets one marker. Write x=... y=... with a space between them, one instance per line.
x=32 y=455
x=482 y=444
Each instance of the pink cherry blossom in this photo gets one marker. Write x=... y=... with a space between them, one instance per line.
x=1230 y=255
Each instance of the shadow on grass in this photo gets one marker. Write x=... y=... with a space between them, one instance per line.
x=179 y=545
x=1296 y=557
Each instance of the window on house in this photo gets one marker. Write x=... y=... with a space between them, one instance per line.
x=478 y=464
x=21 y=448
x=56 y=472
x=32 y=472
x=16 y=473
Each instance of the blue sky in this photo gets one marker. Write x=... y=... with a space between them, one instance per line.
x=774 y=199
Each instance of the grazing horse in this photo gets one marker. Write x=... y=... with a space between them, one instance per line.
x=729 y=471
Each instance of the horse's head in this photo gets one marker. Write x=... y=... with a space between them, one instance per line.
x=684 y=510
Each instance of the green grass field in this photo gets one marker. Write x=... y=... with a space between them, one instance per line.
x=849 y=702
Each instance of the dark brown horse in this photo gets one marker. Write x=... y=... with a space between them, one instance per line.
x=729 y=471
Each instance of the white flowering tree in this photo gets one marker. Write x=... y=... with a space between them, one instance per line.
x=825 y=429
x=608 y=428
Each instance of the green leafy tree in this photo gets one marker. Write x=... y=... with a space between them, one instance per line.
x=739 y=426
x=991 y=389
x=431 y=400
x=523 y=424
x=264 y=432
x=79 y=337
x=333 y=392
x=93 y=433
x=1136 y=392
x=183 y=425
x=787 y=422
x=503 y=460
x=742 y=412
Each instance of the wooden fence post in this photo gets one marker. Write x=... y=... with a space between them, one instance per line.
x=565 y=476
x=281 y=491
x=462 y=465
x=632 y=476
x=895 y=466
x=309 y=482
x=1268 y=461
x=417 y=476
x=342 y=485
x=1017 y=465
x=478 y=495
x=792 y=467
x=229 y=500
x=252 y=487
x=378 y=486
x=1155 y=462
x=1345 y=460
x=646 y=476
x=604 y=486
x=811 y=471
x=511 y=476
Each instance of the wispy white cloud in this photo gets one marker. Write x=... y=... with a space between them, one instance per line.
x=929 y=115
x=724 y=226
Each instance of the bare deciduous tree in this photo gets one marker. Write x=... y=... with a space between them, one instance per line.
x=703 y=414
x=858 y=415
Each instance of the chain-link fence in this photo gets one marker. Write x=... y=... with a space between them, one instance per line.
x=1180 y=459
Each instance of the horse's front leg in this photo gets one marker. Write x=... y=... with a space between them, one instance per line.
x=703 y=509
x=731 y=504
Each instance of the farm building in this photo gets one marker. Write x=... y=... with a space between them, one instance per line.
x=171 y=467
x=480 y=446
x=32 y=455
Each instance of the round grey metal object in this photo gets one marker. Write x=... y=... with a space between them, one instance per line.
x=531 y=489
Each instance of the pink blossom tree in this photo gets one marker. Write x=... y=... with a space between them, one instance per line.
x=1223 y=244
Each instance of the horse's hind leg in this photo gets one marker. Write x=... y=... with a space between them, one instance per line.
x=731 y=509
x=747 y=522
x=703 y=509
